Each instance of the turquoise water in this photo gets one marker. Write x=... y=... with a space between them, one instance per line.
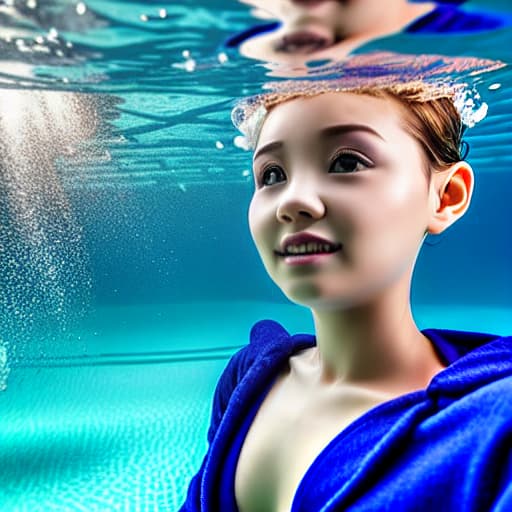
x=128 y=277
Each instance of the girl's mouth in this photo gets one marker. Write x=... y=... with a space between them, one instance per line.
x=307 y=3
x=304 y=256
x=307 y=259
x=303 y=42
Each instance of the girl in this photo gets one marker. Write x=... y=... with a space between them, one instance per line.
x=370 y=413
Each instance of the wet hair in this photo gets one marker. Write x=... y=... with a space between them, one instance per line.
x=435 y=112
x=435 y=123
x=429 y=114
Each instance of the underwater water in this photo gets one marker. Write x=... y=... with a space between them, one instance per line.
x=127 y=272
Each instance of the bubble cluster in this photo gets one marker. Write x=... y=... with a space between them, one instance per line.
x=45 y=281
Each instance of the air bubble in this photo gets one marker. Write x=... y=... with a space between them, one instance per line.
x=53 y=34
x=190 y=65
x=241 y=142
x=81 y=8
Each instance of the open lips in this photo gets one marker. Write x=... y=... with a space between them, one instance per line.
x=302 y=42
x=305 y=243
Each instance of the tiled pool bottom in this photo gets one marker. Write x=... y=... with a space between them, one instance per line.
x=103 y=438
x=123 y=428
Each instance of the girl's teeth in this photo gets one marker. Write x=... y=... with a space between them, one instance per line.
x=310 y=247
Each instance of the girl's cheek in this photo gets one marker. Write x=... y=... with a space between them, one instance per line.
x=253 y=217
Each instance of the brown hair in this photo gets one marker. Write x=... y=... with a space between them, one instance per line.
x=429 y=114
x=434 y=123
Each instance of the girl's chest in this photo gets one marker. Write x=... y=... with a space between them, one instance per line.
x=291 y=428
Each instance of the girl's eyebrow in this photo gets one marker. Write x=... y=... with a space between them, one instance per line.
x=329 y=130
x=267 y=148
x=343 y=128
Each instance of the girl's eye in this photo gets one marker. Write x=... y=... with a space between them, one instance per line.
x=271 y=175
x=347 y=163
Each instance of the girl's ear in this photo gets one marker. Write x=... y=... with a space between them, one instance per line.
x=451 y=196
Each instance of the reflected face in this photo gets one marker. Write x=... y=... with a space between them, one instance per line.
x=340 y=167
x=325 y=29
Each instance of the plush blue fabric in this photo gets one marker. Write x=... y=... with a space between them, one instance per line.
x=441 y=20
x=445 y=448
x=446 y=19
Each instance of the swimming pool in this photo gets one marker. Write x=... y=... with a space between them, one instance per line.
x=128 y=277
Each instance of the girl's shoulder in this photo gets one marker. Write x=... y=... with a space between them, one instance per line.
x=249 y=370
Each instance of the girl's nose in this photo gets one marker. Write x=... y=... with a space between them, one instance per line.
x=296 y=205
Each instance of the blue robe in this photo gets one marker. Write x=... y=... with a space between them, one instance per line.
x=444 y=448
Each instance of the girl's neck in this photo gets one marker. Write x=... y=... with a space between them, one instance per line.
x=378 y=348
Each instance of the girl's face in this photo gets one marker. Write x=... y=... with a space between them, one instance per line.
x=340 y=167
